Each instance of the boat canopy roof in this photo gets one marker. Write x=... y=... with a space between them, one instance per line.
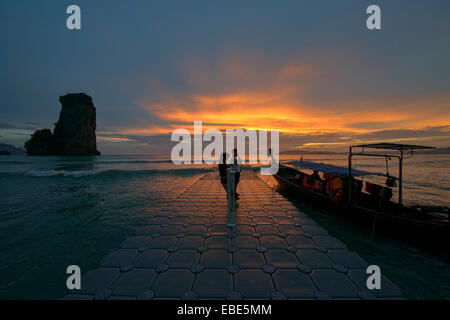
x=328 y=168
x=393 y=146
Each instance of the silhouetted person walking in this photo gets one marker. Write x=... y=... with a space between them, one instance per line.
x=223 y=166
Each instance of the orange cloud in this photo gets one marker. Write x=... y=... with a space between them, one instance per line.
x=249 y=93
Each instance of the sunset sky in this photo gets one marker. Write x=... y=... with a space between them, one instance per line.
x=308 y=68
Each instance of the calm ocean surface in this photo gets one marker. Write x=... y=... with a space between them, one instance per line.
x=58 y=211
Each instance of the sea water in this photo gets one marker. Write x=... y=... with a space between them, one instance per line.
x=59 y=211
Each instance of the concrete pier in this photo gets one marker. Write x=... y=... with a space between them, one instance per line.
x=274 y=252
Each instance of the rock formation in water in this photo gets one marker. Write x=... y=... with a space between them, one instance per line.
x=41 y=143
x=74 y=133
x=75 y=130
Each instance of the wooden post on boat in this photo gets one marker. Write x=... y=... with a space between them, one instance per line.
x=349 y=182
x=231 y=173
x=400 y=178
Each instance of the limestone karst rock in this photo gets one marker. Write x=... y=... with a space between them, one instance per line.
x=74 y=133
x=41 y=143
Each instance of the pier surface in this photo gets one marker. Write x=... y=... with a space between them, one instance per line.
x=274 y=252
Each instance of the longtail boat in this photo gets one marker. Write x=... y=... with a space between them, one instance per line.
x=340 y=191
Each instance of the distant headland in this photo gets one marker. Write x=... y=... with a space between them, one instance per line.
x=74 y=133
x=8 y=149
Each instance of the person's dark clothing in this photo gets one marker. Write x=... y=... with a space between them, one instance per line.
x=223 y=172
x=236 y=178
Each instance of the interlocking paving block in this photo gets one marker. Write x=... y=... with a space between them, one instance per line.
x=273 y=242
x=172 y=230
x=340 y=268
x=292 y=249
x=245 y=242
x=320 y=295
x=213 y=284
x=347 y=258
x=202 y=249
x=232 y=249
x=151 y=258
x=321 y=249
x=335 y=284
x=258 y=213
x=281 y=259
x=179 y=220
x=190 y=295
x=304 y=221
x=134 y=282
x=233 y=268
x=173 y=283
x=329 y=242
x=294 y=283
x=289 y=207
x=135 y=242
x=240 y=220
x=197 y=268
x=183 y=258
x=215 y=259
x=102 y=294
x=142 y=249
x=233 y=295
x=253 y=284
x=283 y=221
x=315 y=230
x=195 y=230
x=77 y=297
x=148 y=230
x=278 y=295
x=199 y=221
x=163 y=242
x=190 y=242
x=262 y=220
x=219 y=229
x=248 y=259
x=146 y=295
x=218 y=242
x=266 y=229
x=172 y=249
x=162 y=268
x=366 y=295
x=304 y=268
x=231 y=235
x=119 y=258
x=290 y=229
x=314 y=259
x=121 y=298
x=388 y=289
x=127 y=267
x=268 y=268
x=300 y=241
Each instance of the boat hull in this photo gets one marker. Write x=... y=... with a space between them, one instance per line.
x=429 y=234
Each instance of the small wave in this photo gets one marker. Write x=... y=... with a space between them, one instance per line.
x=53 y=173
x=116 y=172
x=133 y=161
